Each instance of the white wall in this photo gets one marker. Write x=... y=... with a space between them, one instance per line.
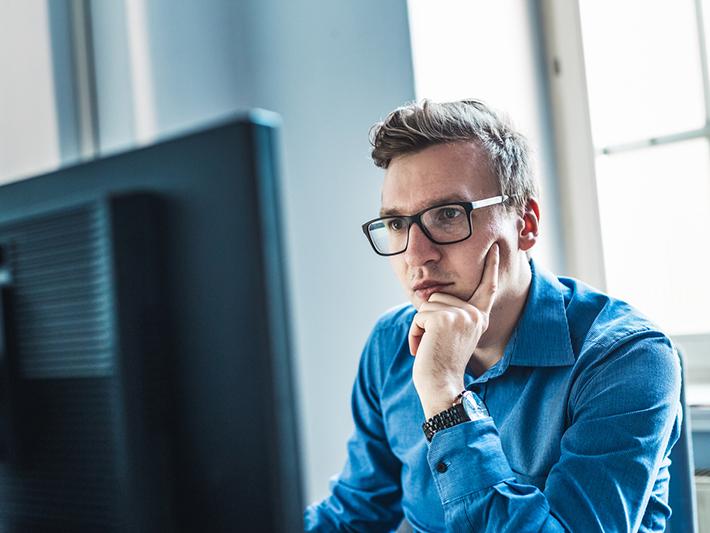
x=330 y=69
x=29 y=140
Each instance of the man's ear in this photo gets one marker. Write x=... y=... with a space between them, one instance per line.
x=529 y=229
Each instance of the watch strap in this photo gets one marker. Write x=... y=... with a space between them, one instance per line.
x=451 y=417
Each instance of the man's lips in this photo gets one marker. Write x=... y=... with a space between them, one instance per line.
x=426 y=288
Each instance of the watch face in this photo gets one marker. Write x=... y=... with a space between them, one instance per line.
x=474 y=407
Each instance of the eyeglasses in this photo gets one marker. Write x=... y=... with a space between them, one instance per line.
x=443 y=224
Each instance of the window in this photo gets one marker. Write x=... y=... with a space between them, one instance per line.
x=648 y=117
x=631 y=101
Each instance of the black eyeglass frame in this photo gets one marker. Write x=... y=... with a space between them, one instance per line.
x=417 y=219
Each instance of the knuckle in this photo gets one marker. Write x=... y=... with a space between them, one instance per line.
x=460 y=318
x=448 y=318
x=477 y=315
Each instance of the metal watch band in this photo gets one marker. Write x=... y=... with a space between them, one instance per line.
x=451 y=417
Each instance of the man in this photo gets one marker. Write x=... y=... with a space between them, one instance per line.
x=503 y=398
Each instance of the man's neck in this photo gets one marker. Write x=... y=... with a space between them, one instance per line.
x=505 y=314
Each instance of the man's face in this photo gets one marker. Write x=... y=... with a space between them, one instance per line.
x=435 y=175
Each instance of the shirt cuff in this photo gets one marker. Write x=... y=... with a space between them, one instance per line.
x=467 y=458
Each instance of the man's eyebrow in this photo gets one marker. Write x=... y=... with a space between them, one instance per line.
x=396 y=211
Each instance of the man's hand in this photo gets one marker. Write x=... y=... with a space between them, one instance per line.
x=444 y=333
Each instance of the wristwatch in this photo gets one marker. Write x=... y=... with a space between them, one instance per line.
x=466 y=407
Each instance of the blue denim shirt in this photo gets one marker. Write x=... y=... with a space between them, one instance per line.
x=584 y=409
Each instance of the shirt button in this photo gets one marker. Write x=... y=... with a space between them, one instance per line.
x=441 y=468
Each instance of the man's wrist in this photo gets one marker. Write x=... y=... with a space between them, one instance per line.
x=435 y=400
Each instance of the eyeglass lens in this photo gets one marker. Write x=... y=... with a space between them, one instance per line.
x=447 y=223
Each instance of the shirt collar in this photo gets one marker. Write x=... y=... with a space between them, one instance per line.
x=542 y=337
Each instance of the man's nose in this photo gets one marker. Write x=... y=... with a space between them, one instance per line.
x=420 y=249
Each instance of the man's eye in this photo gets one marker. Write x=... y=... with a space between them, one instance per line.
x=395 y=224
x=448 y=213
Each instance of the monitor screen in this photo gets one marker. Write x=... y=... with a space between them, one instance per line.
x=145 y=356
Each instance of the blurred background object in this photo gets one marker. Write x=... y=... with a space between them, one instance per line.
x=138 y=391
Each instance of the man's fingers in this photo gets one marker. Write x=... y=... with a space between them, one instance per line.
x=416 y=330
x=482 y=299
x=440 y=306
x=446 y=299
x=415 y=338
x=414 y=343
x=484 y=295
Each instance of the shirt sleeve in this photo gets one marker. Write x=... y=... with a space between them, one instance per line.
x=625 y=417
x=366 y=496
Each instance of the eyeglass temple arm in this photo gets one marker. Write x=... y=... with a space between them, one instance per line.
x=489 y=201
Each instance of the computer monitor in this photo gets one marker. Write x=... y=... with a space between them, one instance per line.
x=145 y=357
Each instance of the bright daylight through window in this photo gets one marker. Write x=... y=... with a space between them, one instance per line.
x=648 y=97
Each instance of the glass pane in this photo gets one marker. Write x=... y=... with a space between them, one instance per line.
x=643 y=68
x=654 y=206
